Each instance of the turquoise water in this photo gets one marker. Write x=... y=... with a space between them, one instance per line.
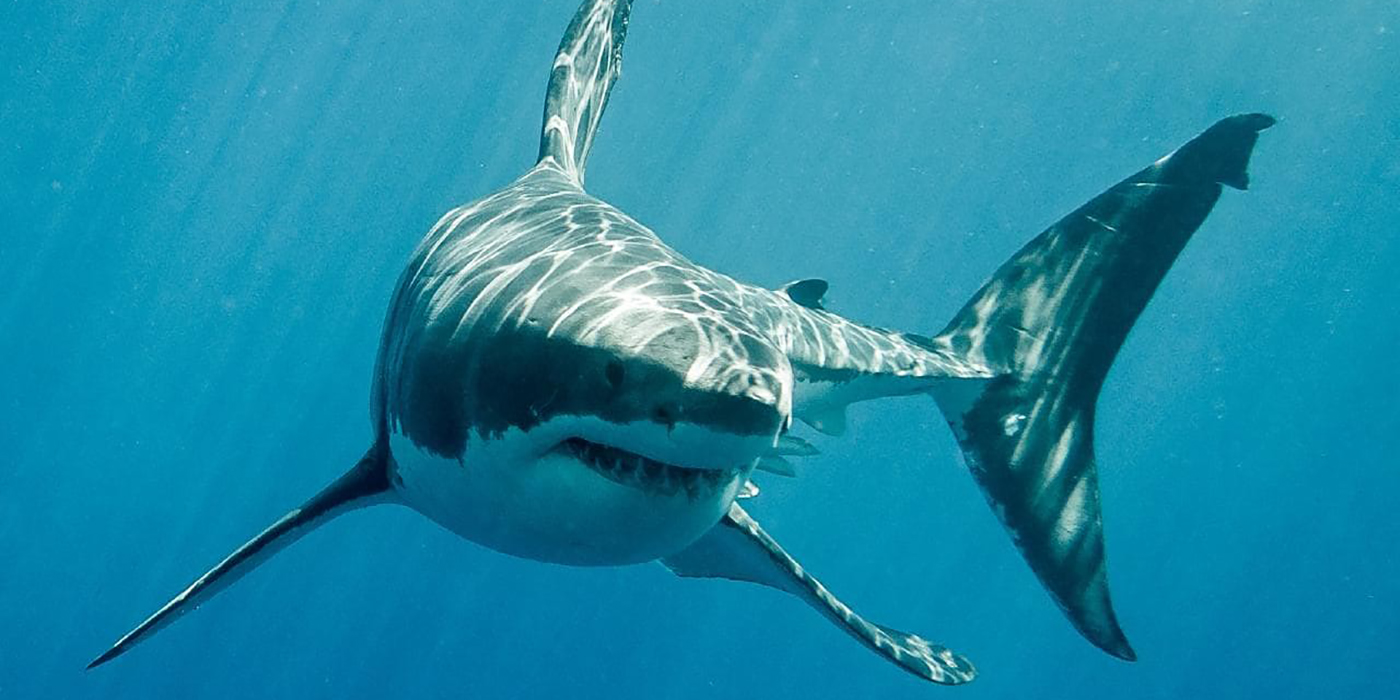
x=205 y=210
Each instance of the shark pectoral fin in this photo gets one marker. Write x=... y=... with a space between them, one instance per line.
x=365 y=484
x=739 y=550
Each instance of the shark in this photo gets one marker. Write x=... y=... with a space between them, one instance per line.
x=556 y=383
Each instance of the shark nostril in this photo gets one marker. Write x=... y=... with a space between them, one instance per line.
x=614 y=374
x=665 y=414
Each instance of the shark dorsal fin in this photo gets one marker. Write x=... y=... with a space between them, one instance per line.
x=808 y=292
x=585 y=68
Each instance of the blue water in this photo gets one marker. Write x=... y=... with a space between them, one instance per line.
x=205 y=207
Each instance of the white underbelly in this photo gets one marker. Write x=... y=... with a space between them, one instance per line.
x=516 y=497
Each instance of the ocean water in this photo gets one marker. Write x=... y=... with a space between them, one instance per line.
x=204 y=208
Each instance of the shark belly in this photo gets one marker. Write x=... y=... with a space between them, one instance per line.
x=540 y=495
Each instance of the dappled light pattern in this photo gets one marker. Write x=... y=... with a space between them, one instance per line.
x=545 y=269
x=588 y=62
x=518 y=308
x=1050 y=321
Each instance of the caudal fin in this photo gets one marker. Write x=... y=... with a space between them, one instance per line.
x=1050 y=322
x=585 y=68
x=366 y=483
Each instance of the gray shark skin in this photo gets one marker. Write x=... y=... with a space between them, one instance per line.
x=556 y=383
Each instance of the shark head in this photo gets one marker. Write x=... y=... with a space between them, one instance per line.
x=604 y=415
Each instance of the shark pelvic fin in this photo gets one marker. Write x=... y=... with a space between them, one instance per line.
x=828 y=421
x=775 y=464
x=740 y=550
x=365 y=484
x=585 y=68
x=1050 y=322
x=790 y=445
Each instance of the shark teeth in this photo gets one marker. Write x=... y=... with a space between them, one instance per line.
x=631 y=469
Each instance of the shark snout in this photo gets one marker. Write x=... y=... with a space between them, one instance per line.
x=739 y=416
x=727 y=422
x=758 y=393
x=755 y=389
x=740 y=400
x=744 y=408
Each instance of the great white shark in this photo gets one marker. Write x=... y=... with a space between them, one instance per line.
x=555 y=383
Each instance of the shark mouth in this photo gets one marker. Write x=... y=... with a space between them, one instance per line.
x=645 y=473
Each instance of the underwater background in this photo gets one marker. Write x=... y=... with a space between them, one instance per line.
x=204 y=208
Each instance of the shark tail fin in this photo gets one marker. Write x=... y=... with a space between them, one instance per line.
x=585 y=68
x=1049 y=323
x=365 y=484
